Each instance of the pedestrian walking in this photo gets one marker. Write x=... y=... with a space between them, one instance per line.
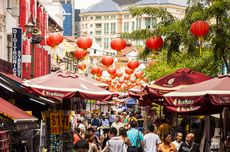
x=189 y=145
x=178 y=141
x=115 y=144
x=136 y=138
x=167 y=145
x=151 y=140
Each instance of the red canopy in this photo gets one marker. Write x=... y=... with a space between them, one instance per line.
x=13 y=112
x=176 y=80
x=67 y=84
x=215 y=92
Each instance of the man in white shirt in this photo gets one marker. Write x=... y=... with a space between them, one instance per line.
x=117 y=124
x=151 y=140
x=178 y=141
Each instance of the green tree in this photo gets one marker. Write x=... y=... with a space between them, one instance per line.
x=179 y=43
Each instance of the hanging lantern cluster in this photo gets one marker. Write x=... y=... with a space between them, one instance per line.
x=84 y=43
x=54 y=39
x=154 y=43
x=96 y=71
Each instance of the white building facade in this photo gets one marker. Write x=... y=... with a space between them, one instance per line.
x=107 y=19
x=9 y=17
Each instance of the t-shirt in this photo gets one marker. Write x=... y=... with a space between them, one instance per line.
x=184 y=147
x=96 y=122
x=115 y=144
x=105 y=122
x=76 y=138
x=135 y=137
x=151 y=140
x=177 y=144
x=117 y=125
x=167 y=148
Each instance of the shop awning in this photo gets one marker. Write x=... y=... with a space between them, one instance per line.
x=14 y=85
x=17 y=115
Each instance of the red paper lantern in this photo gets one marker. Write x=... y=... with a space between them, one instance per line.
x=112 y=76
x=49 y=43
x=81 y=66
x=126 y=77
x=118 y=44
x=199 y=28
x=133 y=64
x=129 y=71
x=84 y=42
x=154 y=43
x=107 y=60
x=121 y=81
x=119 y=74
x=80 y=54
x=96 y=70
x=112 y=71
x=55 y=39
x=139 y=74
x=132 y=80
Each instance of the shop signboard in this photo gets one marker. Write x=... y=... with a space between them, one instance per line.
x=17 y=51
x=59 y=121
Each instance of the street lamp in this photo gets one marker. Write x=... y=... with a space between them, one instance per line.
x=29 y=28
x=36 y=39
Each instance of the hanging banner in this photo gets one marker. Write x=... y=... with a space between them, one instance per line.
x=17 y=51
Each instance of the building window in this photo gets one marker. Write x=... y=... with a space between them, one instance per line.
x=91 y=33
x=113 y=17
x=113 y=28
x=98 y=40
x=91 y=25
x=126 y=27
x=150 y=22
x=126 y=16
x=91 y=17
x=133 y=26
x=138 y=23
x=106 y=17
x=98 y=25
x=98 y=33
x=106 y=43
x=98 y=17
x=106 y=28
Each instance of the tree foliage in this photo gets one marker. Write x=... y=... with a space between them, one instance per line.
x=180 y=44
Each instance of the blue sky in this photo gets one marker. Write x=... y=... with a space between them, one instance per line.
x=79 y=4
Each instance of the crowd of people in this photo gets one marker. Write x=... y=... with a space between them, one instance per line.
x=125 y=132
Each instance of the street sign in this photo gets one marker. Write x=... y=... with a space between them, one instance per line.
x=17 y=51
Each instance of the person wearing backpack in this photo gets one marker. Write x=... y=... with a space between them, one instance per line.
x=115 y=144
x=136 y=138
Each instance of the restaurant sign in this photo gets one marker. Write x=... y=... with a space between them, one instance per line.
x=17 y=51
